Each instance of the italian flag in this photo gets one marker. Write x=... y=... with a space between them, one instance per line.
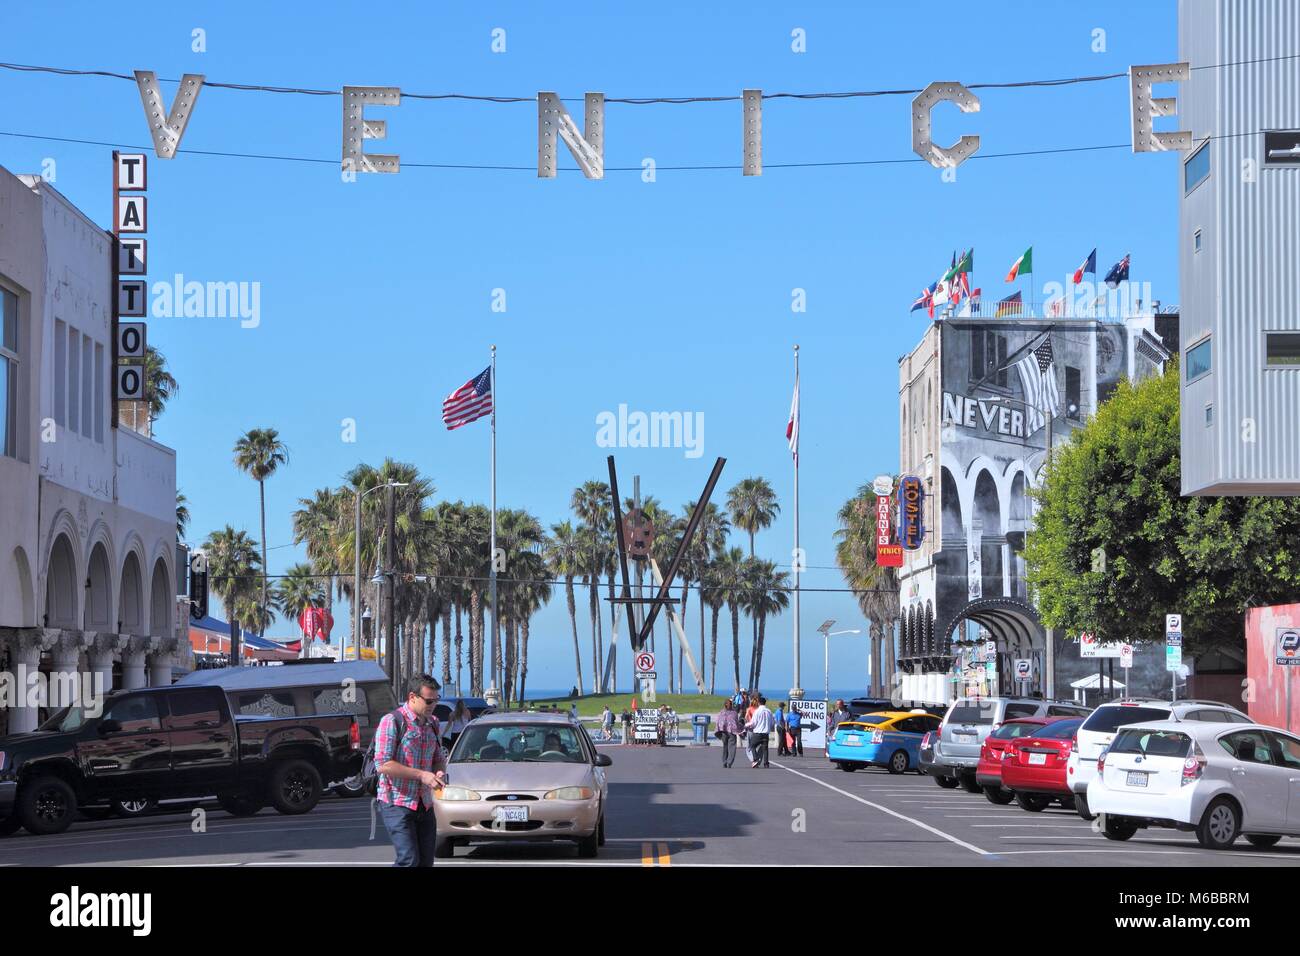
x=1024 y=264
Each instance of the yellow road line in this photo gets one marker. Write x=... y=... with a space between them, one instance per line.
x=647 y=854
x=665 y=858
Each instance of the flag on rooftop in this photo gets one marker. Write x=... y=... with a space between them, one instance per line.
x=965 y=265
x=925 y=299
x=1089 y=265
x=1024 y=264
x=1118 y=272
x=1011 y=305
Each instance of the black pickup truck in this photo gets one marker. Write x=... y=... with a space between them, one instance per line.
x=170 y=742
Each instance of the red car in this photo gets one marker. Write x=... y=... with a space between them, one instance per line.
x=1034 y=769
x=996 y=747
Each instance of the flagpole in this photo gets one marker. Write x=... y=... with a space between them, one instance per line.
x=797 y=690
x=492 y=544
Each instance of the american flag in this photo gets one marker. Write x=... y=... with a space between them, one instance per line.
x=1038 y=377
x=470 y=402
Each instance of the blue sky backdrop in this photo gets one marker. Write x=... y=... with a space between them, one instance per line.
x=674 y=295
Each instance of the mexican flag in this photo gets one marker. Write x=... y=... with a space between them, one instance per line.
x=1024 y=264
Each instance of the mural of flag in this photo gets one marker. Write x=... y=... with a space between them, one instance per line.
x=792 y=425
x=470 y=402
x=1089 y=265
x=1011 y=305
x=1038 y=378
x=1118 y=272
x=1024 y=264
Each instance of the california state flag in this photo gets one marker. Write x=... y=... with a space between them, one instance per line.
x=792 y=426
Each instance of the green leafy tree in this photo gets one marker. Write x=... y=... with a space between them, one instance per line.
x=1115 y=546
x=258 y=454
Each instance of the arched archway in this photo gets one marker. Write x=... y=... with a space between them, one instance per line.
x=1012 y=624
x=988 y=512
x=17 y=588
x=99 y=595
x=161 y=601
x=130 y=615
x=61 y=585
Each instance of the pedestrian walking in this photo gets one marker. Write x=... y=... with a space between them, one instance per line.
x=759 y=725
x=841 y=714
x=781 y=749
x=607 y=723
x=456 y=723
x=411 y=765
x=750 y=704
x=728 y=730
x=794 y=723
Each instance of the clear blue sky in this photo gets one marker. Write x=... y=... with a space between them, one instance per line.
x=673 y=295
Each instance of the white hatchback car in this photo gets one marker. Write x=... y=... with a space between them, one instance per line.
x=1221 y=780
x=1097 y=732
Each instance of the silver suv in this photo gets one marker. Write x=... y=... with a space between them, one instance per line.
x=970 y=719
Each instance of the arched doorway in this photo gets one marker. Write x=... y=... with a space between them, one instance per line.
x=1014 y=627
x=988 y=513
x=99 y=594
x=161 y=600
x=130 y=615
x=61 y=585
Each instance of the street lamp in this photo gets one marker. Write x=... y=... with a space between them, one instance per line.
x=356 y=563
x=827 y=634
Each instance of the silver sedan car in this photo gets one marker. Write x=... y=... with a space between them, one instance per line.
x=523 y=777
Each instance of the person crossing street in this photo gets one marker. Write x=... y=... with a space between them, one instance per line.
x=728 y=729
x=759 y=725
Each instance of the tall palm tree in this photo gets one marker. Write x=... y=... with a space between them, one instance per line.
x=258 y=453
x=710 y=538
x=519 y=535
x=317 y=523
x=874 y=587
x=590 y=503
x=714 y=594
x=182 y=515
x=564 y=556
x=532 y=593
x=753 y=507
x=768 y=596
x=233 y=564
x=730 y=582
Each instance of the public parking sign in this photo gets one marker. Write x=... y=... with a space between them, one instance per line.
x=1288 y=646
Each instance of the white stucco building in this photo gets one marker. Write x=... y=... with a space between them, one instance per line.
x=87 y=511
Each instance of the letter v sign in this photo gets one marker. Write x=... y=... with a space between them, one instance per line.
x=167 y=128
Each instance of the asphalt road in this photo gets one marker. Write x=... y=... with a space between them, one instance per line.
x=675 y=806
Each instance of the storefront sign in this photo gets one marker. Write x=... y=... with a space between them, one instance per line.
x=888 y=554
x=911 y=512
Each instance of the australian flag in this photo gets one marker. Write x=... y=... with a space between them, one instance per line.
x=1118 y=272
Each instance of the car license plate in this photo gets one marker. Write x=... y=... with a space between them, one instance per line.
x=511 y=814
x=1136 y=778
x=964 y=738
x=853 y=741
x=1037 y=759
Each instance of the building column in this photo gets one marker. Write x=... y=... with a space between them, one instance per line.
x=102 y=647
x=160 y=662
x=134 y=649
x=64 y=687
x=25 y=657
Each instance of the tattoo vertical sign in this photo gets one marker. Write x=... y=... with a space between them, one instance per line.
x=130 y=297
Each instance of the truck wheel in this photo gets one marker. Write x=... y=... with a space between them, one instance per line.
x=295 y=787
x=46 y=806
x=133 y=807
x=948 y=783
x=240 y=804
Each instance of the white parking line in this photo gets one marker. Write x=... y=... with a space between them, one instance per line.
x=1033 y=826
x=893 y=813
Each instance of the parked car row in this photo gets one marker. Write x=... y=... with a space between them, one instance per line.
x=1192 y=765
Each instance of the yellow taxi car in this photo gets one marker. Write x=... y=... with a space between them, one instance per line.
x=890 y=739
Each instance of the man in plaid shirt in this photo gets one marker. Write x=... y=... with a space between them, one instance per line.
x=410 y=769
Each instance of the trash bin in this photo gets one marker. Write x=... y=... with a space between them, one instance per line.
x=700 y=724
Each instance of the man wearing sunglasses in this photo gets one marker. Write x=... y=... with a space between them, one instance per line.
x=411 y=765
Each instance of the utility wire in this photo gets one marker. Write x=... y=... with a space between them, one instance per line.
x=629 y=100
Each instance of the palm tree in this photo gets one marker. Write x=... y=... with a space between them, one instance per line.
x=874 y=587
x=730 y=582
x=182 y=515
x=532 y=593
x=233 y=564
x=712 y=593
x=564 y=556
x=298 y=590
x=590 y=503
x=520 y=536
x=161 y=385
x=710 y=538
x=317 y=524
x=768 y=596
x=258 y=454
x=753 y=507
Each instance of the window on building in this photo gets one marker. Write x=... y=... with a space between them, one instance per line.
x=99 y=393
x=60 y=373
x=1209 y=415
x=74 y=366
x=1196 y=241
x=9 y=374
x=1282 y=349
x=87 y=389
x=1198 y=360
x=988 y=356
x=1073 y=393
x=1282 y=147
x=1197 y=168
